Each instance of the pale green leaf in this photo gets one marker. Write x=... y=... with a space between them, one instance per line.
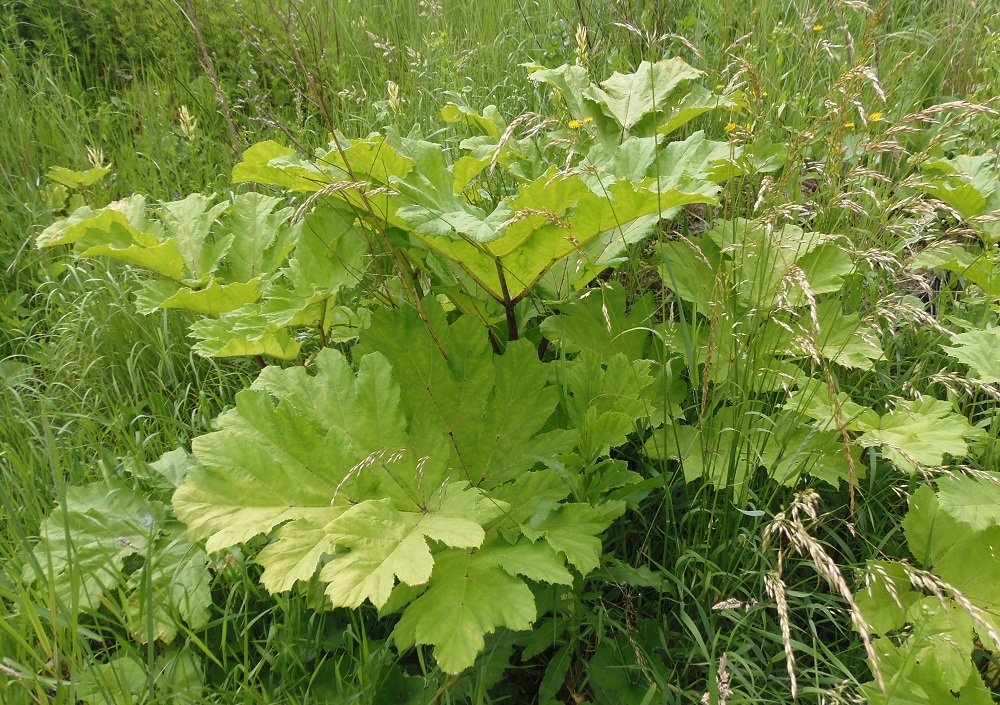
x=84 y=543
x=886 y=597
x=294 y=555
x=469 y=596
x=923 y=432
x=242 y=332
x=572 y=529
x=214 y=299
x=630 y=97
x=120 y=681
x=189 y=222
x=257 y=166
x=270 y=464
x=176 y=584
x=537 y=561
x=973 y=501
x=386 y=544
x=980 y=350
x=261 y=237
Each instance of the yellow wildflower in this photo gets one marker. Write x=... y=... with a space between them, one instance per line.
x=575 y=124
x=875 y=117
x=763 y=94
x=587 y=119
x=817 y=28
x=730 y=127
x=848 y=124
x=719 y=87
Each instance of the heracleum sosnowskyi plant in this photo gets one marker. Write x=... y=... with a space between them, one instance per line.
x=223 y=271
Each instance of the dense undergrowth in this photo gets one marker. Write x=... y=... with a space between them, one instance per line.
x=512 y=352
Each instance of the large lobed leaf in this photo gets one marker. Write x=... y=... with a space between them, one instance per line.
x=86 y=551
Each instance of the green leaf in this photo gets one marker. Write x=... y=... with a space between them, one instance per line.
x=842 y=337
x=615 y=674
x=175 y=584
x=968 y=184
x=330 y=252
x=120 y=681
x=76 y=179
x=171 y=468
x=973 y=501
x=886 y=597
x=981 y=269
x=919 y=682
x=793 y=448
x=599 y=320
x=261 y=238
x=711 y=452
x=470 y=596
x=492 y=412
x=630 y=97
x=691 y=158
x=189 y=222
x=180 y=675
x=978 y=349
x=962 y=557
x=258 y=166
x=686 y=268
x=376 y=159
x=490 y=122
x=555 y=674
x=387 y=544
x=388 y=476
x=573 y=84
x=84 y=543
x=947 y=631
x=921 y=432
x=697 y=101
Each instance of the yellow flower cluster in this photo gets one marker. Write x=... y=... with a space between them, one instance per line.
x=577 y=124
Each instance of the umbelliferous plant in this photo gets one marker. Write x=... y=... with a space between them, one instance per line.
x=440 y=483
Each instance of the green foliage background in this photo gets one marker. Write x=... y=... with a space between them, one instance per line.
x=731 y=528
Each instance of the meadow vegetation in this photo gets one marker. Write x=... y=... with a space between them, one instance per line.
x=458 y=352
